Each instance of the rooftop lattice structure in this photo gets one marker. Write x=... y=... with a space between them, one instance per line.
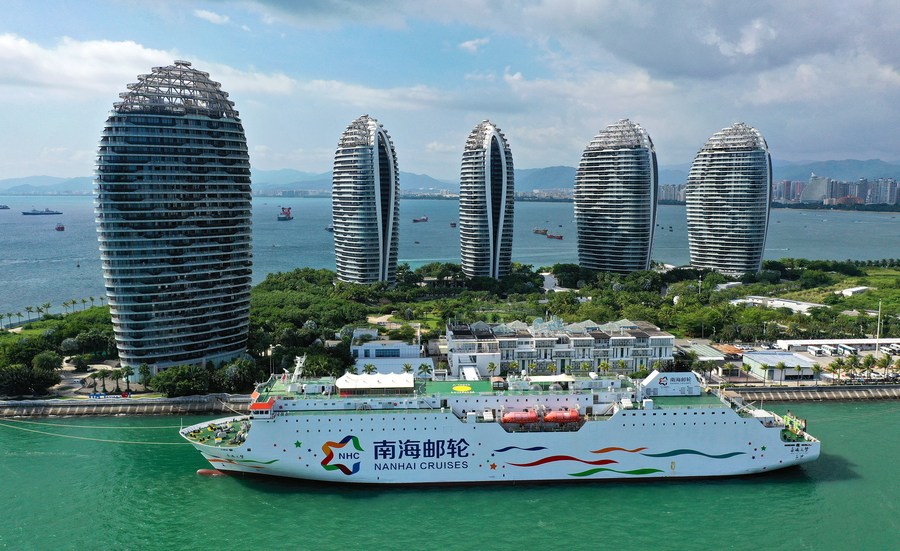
x=176 y=90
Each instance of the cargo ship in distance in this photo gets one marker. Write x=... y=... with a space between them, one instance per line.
x=396 y=429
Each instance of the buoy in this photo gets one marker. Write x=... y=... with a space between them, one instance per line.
x=210 y=472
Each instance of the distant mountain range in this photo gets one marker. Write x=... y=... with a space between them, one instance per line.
x=268 y=182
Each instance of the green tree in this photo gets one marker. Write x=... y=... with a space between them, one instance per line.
x=491 y=368
x=817 y=372
x=127 y=373
x=424 y=369
x=369 y=369
x=145 y=372
x=182 y=380
x=47 y=360
x=407 y=368
x=835 y=367
x=102 y=374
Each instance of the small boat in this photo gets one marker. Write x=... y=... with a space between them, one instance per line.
x=421 y=219
x=551 y=236
x=329 y=228
x=35 y=212
x=540 y=231
x=417 y=242
x=452 y=224
x=285 y=214
x=4 y=207
x=60 y=227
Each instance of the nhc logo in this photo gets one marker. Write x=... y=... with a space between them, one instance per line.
x=663 y=381
x=329 y=447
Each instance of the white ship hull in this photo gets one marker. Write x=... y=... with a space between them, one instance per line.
x=430 y=446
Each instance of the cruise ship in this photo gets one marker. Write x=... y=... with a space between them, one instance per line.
x=397 y=429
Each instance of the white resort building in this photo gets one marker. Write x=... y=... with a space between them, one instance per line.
x=365 y=204
x=172 y=203
x=728 y=193
x=553 y=347
x=486 y=197
x=615 y=199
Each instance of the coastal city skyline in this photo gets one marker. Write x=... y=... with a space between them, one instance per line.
x=536 y=68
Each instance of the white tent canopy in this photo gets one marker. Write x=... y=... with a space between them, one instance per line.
x=349 y=381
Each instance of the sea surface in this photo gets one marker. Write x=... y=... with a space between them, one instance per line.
x=39 y=264
x=87 y=483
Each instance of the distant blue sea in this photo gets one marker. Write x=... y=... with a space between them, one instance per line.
x=39 y=264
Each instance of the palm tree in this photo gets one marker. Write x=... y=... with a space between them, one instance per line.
x=29 y=310
x=746 y=370
x=883 y=363
x=514 y=367
x=39 y=310
x=92 y=301
x=369 y=369
x=127 y=372
x=531 y=366
x=352 y=370
x=46 y=307
x=117 y=374
x=407 y=368
x=799 y=369
x=604 y=367
x=9 y=316
x=101 y=298
x=585 y=366
x=103 y=374
x=424 y=369
x=817 y=371
x=868 y=363
x=83 y=302
x=836 y=366
x=491 y=368
x=19 y=315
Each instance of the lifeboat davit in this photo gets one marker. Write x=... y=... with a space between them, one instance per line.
x=567 y=416
x=520 y=417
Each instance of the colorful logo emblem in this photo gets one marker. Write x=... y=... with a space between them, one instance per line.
x=342 y=454
x=462 y=388
x=663 y=381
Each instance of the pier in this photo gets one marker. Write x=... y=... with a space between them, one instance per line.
x=188 y=405
x=820 y=393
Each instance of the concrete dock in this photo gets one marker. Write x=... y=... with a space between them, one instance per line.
x=820 y=393
x=189 y=405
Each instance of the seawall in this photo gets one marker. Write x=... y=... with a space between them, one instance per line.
x=213 y=403
x=821 y=393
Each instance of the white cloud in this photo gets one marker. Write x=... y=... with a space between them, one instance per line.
x=211 y=17
x=472 y=46
x=104 y=67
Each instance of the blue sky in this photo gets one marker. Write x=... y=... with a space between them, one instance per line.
x=819 y=79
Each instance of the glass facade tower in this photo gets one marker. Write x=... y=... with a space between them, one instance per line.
x=366 y=204
x=615 y=199
x=486 y=199
x=172 y=204
x=728 y=193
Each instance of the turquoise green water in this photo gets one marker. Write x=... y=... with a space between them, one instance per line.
x=65 y=493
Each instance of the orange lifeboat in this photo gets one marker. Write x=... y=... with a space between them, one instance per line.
x=567 y=416
x=521 y=417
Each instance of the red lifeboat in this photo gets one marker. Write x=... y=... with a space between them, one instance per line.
x=567 y=416
x=521 y=417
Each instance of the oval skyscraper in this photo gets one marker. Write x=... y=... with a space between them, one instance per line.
x=486 y=200
x=172 y=200
x=615 y=199
x=728 y=193
x=365 y=204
